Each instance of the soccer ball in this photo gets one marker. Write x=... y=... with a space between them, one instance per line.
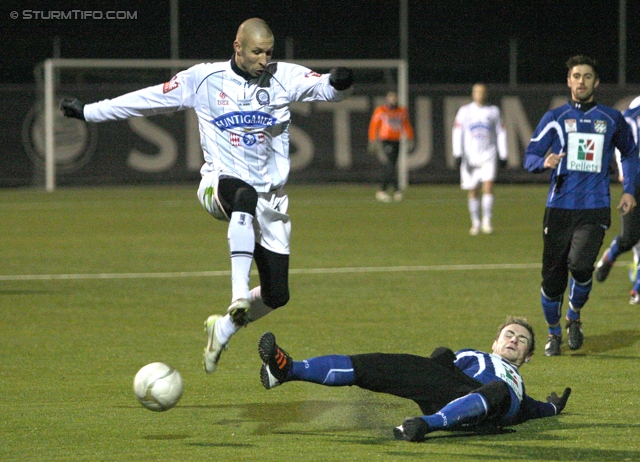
x=158 y=387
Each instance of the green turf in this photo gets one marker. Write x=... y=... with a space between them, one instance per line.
x=70 y=345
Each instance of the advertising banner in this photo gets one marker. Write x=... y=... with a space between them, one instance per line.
x=328 y=140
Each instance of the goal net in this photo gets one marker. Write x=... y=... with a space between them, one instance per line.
x=58 y=141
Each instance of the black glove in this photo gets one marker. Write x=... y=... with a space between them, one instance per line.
x=341 y=78
x=559 y=401
x=458 y=163
x=71 y=107
x=502 y=163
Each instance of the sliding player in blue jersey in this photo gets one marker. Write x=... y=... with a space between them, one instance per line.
x=471 y=389
x=630 y=229
x=582 y=136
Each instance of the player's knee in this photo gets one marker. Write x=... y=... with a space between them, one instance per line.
x=582 y=276
x=553 y=290
x=497 y=395
x=246 y=200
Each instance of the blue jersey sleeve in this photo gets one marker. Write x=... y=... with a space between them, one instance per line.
x=533 y=409
x=548 y=134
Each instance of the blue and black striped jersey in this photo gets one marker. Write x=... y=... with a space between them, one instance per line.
x=487 y=367
x=588 y=134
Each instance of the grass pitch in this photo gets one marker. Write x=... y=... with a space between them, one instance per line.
x=97 y=282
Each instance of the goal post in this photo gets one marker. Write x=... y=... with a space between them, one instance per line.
x=51 y=66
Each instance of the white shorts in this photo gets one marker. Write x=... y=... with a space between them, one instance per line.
x=472 y=177
x=271 y=224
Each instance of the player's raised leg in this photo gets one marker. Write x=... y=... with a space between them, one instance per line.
x=238 y=200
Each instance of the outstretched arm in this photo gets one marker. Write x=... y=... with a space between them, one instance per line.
x=533 y=409
x=175 y=95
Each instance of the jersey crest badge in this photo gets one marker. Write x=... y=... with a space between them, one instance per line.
x=570 y=125
x=263 y=97
x=600 y=126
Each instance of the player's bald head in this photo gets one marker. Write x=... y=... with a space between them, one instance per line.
x=253 y=28
x=253 y=46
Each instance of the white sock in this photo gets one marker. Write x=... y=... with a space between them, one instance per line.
x=258 y=308
x=225 y=329
x=241 y=238
x=474 y=211
x=487 y=208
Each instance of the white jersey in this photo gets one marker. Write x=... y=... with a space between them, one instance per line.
x=479 y=134
x=244 y=124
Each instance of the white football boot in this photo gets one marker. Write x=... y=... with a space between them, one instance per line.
x=214 y=348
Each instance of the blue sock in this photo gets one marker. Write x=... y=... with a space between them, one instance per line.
x=468 y=409
x=578 y=296
x=552 y=310
x=636 y=285
x=331 y=370
x=614 y=250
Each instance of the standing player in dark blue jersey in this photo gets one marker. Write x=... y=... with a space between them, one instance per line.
x=582 y=136
x=630 y=229
x=469 y=389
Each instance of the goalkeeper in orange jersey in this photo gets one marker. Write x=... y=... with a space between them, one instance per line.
x=389 y=123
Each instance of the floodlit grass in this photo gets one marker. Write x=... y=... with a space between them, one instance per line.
x=71 y=341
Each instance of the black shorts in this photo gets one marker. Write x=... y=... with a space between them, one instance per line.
x=572 y=241
x=429 y=384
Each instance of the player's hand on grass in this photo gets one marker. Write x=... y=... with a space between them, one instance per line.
x=559 y=401
x=71 y=107
x=341 y=78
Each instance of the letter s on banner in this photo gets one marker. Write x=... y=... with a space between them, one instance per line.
x=304 y=148
x=167 y=147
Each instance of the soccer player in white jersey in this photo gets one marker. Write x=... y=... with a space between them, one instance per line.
x=243 y=114
x=479 y=138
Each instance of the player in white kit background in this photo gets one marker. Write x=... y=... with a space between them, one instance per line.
x=479 y=139
x=243 y=114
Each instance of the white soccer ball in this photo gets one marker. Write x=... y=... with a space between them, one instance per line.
x=158 y=386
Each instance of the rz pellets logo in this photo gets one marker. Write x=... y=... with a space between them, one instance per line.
x=75 y=140
x=586 y=150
